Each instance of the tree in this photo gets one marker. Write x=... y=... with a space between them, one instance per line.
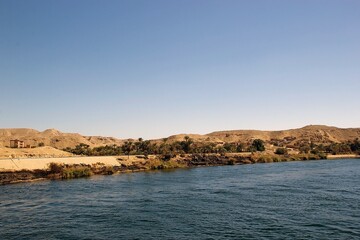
x=355 y=145
x=240 y=147
x=258 y=145
x=230 y=147
x=144 y=147
x=127 y=147
x=338 y=148
x=81 y=149
x=186 y=144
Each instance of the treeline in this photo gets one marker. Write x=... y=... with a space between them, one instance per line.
x=349 y=147
x=186 y=146
x=189 y=146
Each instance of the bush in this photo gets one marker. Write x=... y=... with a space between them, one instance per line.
x=258 y=145
x=76 y=172
x=55 y=168
x=265 y=159
x=276 y=159
x=281 y=151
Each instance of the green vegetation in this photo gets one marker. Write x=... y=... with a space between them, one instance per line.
x=269 y=158
x=349 y=147
x=64 y=171
x=67 y=172
x=76 y=172
x=84 y=149
x=257 y=145
x=281 y=151
x=355 y=146
x=156 y=164
x=167 y=150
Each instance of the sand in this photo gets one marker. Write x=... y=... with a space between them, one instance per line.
x=43 y=163
x=45 y=151
x=16 y=164
x=342 y=156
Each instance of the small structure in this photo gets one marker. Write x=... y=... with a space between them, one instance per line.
x=17 y=143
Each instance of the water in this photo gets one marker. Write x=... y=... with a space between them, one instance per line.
x=295 y=200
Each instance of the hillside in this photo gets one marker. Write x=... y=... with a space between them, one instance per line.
x=317 y=134
x=53 y=138
x=41 y=152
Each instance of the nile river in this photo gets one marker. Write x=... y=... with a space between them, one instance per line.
x=292 y=200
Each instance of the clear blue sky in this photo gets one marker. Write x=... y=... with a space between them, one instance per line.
x=155 y=68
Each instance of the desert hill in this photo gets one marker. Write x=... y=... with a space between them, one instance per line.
x=53 y=138
x=45 y=151
x=318 y=134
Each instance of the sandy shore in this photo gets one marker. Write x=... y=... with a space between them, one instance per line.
x=43 y=163
x=343 y=156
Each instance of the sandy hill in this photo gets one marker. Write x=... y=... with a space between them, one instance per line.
x=53 y=138
x=312 y=133
x=45 y=151
x=318 y=134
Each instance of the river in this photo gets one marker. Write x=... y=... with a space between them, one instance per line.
x=290 y=200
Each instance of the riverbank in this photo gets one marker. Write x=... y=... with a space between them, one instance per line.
x=26 y=170
x=18 y=164
x=343 y=156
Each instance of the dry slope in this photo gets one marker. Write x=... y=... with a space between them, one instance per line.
x=53 y=138
x=318 y=134
x=312 y=133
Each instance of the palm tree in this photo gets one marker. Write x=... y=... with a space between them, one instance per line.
x=127 y=147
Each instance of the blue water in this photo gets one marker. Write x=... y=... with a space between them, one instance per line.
x=293 y=200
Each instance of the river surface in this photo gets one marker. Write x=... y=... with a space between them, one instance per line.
x=292 y=200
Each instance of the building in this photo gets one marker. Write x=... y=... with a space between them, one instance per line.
x=17 y=143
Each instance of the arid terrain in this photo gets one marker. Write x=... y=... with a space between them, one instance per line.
x=52 y=141
x=75 y=155
x=52 y=137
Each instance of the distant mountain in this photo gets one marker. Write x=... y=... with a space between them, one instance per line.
x=318 y=134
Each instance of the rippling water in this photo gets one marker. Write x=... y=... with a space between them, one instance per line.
x=295 y=200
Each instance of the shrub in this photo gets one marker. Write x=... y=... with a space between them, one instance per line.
x=281 y=151
x=258 y=145
x=276 y=159
x=76 y=172
x=265 y=159
x=55 y=168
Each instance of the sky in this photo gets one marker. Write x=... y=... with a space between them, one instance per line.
x=151 y=69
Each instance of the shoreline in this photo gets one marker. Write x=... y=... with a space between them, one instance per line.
x=343 y=156
x=88 y=166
